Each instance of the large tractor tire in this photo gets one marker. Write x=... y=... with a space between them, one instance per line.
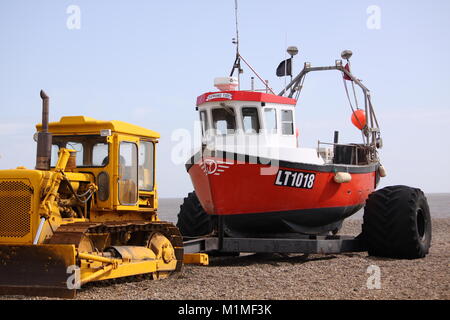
x=397 y=223
x=193 y=221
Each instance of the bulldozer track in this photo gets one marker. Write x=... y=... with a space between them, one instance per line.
x=73 y=233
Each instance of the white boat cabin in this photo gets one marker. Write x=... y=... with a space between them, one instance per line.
x=253 y=123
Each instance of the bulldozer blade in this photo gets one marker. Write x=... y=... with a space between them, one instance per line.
x=36 y=270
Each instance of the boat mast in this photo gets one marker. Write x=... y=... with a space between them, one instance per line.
x=237 y=61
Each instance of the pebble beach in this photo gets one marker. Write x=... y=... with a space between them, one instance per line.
x=294 y=277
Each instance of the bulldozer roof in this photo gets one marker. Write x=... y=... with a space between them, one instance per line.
x=87 y=125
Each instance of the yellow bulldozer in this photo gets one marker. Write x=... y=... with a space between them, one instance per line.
x=87 y=212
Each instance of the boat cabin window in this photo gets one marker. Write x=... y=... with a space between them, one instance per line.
x=204 y=122
x=270 y=118
x=287 y=122
x=224 y=120
x=250 y=120
x=128 y=173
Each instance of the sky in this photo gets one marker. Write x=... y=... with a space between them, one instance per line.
x=145 y=62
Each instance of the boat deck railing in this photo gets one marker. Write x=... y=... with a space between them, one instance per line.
x=352 y=154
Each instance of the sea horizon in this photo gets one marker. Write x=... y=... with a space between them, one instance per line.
x=439 y=207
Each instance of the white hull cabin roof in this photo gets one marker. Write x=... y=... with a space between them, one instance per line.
x=243 y=96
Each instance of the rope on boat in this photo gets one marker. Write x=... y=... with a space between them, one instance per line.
x=350 y=102
x=300 y=87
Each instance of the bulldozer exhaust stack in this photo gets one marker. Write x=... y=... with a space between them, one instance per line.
x=44 y=138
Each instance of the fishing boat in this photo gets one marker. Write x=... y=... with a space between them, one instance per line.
x=252 y=173
x=257 y=189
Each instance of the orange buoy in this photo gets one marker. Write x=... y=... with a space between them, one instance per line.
x=359 y=119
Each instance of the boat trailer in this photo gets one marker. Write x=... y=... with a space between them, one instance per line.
x=330 y=244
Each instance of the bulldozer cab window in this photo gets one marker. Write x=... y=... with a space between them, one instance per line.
x=100 y=154
x=78 y=147
x=146 y=165
x=224 y=120
x=91 y=150
x=55 y=151
x=128 y=173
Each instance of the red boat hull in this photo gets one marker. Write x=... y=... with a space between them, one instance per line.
x=258 y=198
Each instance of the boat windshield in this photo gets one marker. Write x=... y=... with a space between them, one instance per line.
x=270 y=118
x=224 y=120
x=250 y=120
x=287 y=122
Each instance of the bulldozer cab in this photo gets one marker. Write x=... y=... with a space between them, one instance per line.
x=119 y=157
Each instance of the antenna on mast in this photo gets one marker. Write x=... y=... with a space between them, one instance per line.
x=237 y=61
x=237 y=26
